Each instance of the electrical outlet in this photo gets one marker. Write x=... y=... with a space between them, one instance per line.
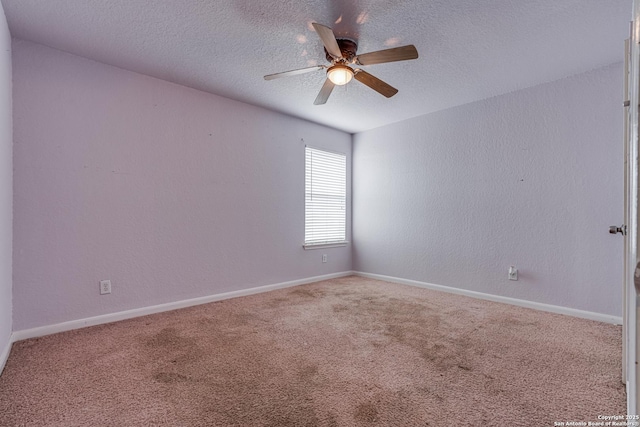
x=105 y=287
x=513 y=273
x=324 y=257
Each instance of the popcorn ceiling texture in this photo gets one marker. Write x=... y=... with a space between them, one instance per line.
x=345 y=352
x=469 y=49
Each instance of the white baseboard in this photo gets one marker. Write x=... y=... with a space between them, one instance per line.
x=144 y=311
x=4 y=353
x=496 y=298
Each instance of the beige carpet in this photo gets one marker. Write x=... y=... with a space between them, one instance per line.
x=343 y=352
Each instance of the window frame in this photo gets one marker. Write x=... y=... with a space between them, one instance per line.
x=333 y=243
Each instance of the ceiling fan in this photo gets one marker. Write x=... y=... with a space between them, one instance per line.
x=341 y=53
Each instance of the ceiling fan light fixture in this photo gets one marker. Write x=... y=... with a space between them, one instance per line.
x=340 y=74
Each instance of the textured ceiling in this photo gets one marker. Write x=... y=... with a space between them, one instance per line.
x=469 y=49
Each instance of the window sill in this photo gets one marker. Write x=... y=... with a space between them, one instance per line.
x=324 y=245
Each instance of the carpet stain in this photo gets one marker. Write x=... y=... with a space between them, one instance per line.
x=168 y=337
x=396 y=332
x=440 y=356
x=306 y=293
x=243 y=319
x=340 y=308
x=169 y=377
x=366 y=412
x=511 y=321
x=343 y=352
x=170 y=347
x=332 y=421
x=308 y=372
x=304 y=417
x=277 y=302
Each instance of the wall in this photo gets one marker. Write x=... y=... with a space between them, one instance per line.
x=6 y=186
x=169 y=192
x=174 y=193
x=532 y=179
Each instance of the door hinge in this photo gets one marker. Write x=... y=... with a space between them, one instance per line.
x=614 y=229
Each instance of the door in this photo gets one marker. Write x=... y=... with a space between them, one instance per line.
x=625 y=289
x=630 y=293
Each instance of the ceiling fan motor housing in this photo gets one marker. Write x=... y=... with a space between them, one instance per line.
x=348 y=49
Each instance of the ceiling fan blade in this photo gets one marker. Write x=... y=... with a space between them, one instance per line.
x=375 y=83
x=328 y=39
x=322 y=97
x=293 y=72
x=401 y=53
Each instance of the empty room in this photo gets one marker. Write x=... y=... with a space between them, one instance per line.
x=318 y=213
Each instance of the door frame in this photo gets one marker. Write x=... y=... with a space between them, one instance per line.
x=631 y=315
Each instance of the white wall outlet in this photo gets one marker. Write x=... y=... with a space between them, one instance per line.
x=513 y=273
x=105 y=287
x=324 y=257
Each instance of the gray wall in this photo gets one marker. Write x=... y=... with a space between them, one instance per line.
x=169 y=192
x=173 y=193
x=532 y=179
x=6 y=186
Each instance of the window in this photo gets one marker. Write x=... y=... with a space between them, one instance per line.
x=325 y=198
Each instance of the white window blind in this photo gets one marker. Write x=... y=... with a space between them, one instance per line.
x=325 y=197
